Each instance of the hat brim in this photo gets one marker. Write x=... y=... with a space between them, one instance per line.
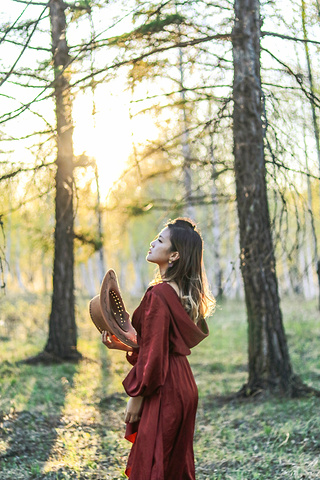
x=108 y=311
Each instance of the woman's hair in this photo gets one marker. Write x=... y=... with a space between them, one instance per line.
x=188 y=270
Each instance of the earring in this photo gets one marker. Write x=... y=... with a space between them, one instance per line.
x=170 y=264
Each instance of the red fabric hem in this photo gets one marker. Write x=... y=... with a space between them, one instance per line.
x=131 y=437
x=128 y=471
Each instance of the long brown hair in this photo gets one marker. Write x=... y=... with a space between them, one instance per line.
x=188 y=270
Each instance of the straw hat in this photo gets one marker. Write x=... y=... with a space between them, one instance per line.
x=108 y=311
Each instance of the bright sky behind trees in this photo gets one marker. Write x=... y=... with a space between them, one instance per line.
x=105 y=127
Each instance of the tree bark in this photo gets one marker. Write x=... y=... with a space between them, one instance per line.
x=269 y=362
x=101 y=262
x=216 y=234
x=62 y=340
x=185 y=141
x=17 y=263
x=186 y=152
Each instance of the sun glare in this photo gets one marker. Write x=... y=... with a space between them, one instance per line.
x=104 y=136
x=109 y=134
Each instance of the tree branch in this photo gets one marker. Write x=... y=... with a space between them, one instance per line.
x=309 y=95
x=23 y=170
x=15 y=22
x=11 y=115
x=287 y=37
x=25 y=202
x=24 y=48
x=43 y=49
x=189 y=43
x=31 y=2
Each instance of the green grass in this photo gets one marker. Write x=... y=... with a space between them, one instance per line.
x=66 y=421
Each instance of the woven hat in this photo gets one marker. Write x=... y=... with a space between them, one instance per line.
x=108 y=311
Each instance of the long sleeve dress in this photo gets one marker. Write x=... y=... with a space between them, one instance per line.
x=163 y=438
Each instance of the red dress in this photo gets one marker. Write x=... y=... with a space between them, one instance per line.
x=163 y=438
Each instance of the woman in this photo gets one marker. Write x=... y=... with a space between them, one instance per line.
x=170 y=320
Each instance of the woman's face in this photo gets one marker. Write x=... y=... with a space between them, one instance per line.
x=160 y=250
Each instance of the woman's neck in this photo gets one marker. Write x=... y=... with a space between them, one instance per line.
x=162 y=271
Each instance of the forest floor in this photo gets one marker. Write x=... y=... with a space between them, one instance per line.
x=66 y=421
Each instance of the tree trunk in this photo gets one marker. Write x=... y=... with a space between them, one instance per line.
x=185 y=141
x=7 y=250
x=17 y=262
x=217 y=284
x=269 y=362
x=102 y=268
x=62 y=340
x=286 y=281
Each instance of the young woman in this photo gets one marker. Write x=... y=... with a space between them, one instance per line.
x=170 y=320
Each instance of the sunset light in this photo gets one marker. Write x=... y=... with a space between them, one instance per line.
x=109 y=135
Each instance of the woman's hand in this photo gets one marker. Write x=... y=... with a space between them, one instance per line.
x=112 y=342
x=133 y=409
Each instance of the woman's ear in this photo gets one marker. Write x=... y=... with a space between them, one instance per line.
x=174 y=256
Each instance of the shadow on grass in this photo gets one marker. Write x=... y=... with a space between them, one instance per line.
x=115 y=401
x=30 y=435
x=111 y=403
x=239 y=398
x=217 y=367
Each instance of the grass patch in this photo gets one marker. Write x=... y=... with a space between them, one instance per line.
x=66 y=421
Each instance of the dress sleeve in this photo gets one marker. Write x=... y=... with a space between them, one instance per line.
x=151 y=368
